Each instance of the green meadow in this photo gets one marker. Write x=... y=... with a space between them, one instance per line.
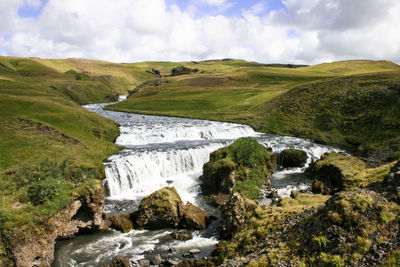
x=350 y=103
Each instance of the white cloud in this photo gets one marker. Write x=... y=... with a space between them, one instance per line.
x=214 y=2
x=139 y=30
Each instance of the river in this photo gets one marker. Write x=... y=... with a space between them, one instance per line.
x=167 y=151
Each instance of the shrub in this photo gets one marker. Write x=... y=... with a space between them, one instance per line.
x=38 y=184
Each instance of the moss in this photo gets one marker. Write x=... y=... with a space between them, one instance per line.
x=328 y=260
x=243 y=166
x=320 y=240
x=393 y=259
x=363 y=244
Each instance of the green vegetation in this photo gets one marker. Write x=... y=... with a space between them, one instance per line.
x=41 y=117
x=339 y=171
x=263 y=230
x=349 y=103
x=249 y=162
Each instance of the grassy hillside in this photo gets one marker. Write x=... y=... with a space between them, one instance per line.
x=349 y=103
x=360 y=111
x=41 y=118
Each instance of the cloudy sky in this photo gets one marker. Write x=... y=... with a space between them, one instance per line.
x=285 y=31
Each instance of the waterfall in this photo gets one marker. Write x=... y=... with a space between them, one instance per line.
x=132 y=174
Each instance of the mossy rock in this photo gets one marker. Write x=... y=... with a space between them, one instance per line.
x=192 y=217
x=121 y=222
x=293 y=158
x=234 y=214
x=165 y=209
x=338 y=171
x=244 y=167
x=159 y=210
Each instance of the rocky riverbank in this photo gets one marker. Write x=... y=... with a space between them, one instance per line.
x=84 y=215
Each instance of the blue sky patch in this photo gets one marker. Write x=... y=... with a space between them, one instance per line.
x=30 y=12
x=232 y=8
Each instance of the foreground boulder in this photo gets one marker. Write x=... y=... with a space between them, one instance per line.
x=165 y=209
x=234 y=215
x=337 y=171
x=121 y=222
x=244 y=166
x=160 y=209
x=293 y=158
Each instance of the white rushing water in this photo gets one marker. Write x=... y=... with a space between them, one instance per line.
x=164 y=151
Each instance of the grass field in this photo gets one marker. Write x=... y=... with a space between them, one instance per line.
x=350 y=103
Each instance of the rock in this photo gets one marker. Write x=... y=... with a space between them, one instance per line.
x=194 y=251
x=156 y=260
x=292 y=158
x=160 y=209
x=192 y=217
x=171 y=262
x=84 y=215
x=317 y=187
x=338 y=171
x=218 y=177
x=182 y=235
x=245 y=159
x=196 y=263
x=165 y=209
x=219 y=199
x=273 y=194
x=121 y=222
x=144 y=262
x=234 y=214
x=120 y=262
x=294 y=194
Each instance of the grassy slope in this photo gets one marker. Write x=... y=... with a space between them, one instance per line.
x=340 y=103
x=41 y=117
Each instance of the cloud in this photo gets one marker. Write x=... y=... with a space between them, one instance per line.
x=214 y=2
x=308 y=31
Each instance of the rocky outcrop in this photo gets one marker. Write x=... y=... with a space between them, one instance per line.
x=81 y=216
x=192 y=217
x=159 y=210
x=292 y=158
x=244 y=166
x=165 y=209
x=234 y=214
x=351 y=221
x=337 y=171
x=121 y=222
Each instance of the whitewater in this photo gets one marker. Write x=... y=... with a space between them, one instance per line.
x=167 y=151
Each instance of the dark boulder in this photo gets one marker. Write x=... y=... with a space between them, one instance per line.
x=292 y=158
x=294 y=194
x=317 y=187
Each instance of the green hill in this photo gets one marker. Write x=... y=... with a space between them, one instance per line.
x=350 y=103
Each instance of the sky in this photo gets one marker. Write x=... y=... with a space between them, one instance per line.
x=267 y=31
